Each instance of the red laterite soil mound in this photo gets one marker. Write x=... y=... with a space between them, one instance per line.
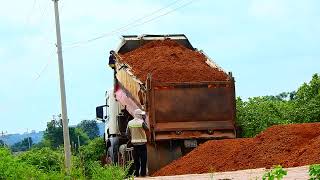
x=168 y=61
x=286 y=145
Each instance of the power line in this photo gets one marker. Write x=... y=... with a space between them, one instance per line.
x=43 y=10
x=44 y=14
x=121 y=29
x=133 y=22
x=27 y=22
x=45 y=66
x=126 y=27
x=169 y=12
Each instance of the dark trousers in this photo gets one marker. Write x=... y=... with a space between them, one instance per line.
x=140 y=159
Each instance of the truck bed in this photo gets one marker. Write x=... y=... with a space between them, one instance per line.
x=198 y=104
x=193 y=110
x=202 y=110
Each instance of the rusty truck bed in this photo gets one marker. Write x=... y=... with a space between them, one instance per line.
x=201 y=110
x=192 y=110
x=189 y=110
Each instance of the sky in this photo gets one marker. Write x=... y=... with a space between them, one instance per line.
x=270 y=46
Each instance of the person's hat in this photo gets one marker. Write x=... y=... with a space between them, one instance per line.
x=139 y=112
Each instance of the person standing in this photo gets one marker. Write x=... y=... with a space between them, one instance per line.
x=112 y=64
x=113 y=132
x=136 y=133
x=112 y=59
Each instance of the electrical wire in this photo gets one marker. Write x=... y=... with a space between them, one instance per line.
x=169 y=12
x=121 y=29
x=79 y=43
x=133 y=22
x=45 y=66
x=27 y=21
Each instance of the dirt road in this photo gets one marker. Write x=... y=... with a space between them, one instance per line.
x=296 y=173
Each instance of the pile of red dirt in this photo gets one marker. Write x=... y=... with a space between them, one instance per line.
x=168 y=61
x=286 y=145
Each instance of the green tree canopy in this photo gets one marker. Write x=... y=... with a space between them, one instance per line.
x=2 y=143
x=22 y=145
x=53 y=135
x=306 y=104
x=90 y=127
x=258 y=113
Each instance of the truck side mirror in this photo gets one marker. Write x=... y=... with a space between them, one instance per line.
x=100 y=113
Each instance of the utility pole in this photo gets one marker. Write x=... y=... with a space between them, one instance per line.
x=3 y=134
x=66 y=137
x=79 y=143
x=29 y=143
x=29 y=138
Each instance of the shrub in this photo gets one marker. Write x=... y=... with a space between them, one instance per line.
x=94 y=150
x=90 y=153
x=44 y=159
x=276 y=173
x=108 y=172
x=46 y=163
x=314 y=172
x=10 y=168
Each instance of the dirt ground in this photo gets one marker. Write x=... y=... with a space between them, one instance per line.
x=292 y=145
x=168 y=61
x=296 y=173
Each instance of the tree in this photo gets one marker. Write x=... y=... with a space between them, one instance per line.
x=309 y=91
x=306 y=104
x=92 y=152
x=259 y=113
x=23 y=145
x=90 y=127
x=53 y=135
x=301 y=106
x=2 y=143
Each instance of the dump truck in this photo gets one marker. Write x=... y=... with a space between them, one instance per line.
x=180 y=115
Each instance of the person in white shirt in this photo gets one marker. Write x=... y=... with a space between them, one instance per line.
x=136 y=133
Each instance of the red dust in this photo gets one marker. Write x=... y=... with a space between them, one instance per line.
x=287 y=145
x=168 y=61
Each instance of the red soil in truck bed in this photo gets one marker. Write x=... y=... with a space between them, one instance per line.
x=286 y=145
x=168 y=61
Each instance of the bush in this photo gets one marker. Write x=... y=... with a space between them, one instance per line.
x=44 y=159
x=94 y=150
x=108 y=172
x=46 y=163
x=90 y=160
x=259 y=113
x=10 y=168
x=314 y=172
x=276 y=173
x=91 y=153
